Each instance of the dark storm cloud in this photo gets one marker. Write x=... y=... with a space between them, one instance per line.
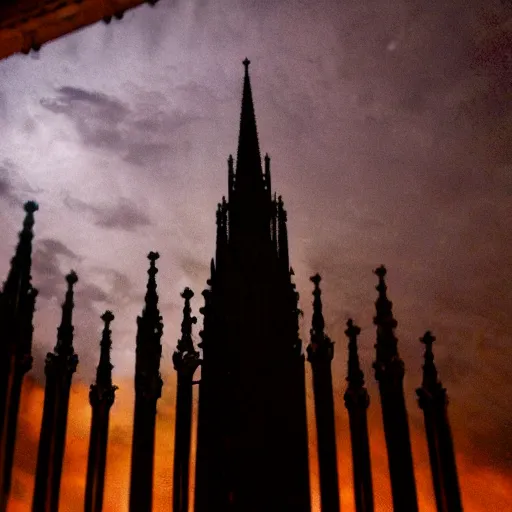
x=47 y=269
x=72 y=99
x=141 y=135
x=5 y=185
x=193 y=266
x=124 y=215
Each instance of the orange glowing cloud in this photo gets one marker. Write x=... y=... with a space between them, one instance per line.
x=483 y=488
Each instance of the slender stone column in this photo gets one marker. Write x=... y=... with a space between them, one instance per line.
x=59 y=368
x=357 y=401
x=389 y=372
x=186 y=360
x=101 y=398
x=320 y=353
x=17 y=305
x=148 y=389
x=434 y=402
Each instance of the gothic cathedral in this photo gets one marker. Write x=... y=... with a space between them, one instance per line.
x=252 y=437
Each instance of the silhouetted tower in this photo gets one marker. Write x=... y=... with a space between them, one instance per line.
x=389 y=372
x=357 y=402
x=186 y=361
x=252 y=445
x=101 y=398
x=148 y=389
x=434 y=402
x=320 y=353
x=17 y=304
x=59 y=368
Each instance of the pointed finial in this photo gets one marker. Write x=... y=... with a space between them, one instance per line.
x=148 y=382
x=320 y=342
x=185 y=358
x=152 y=257
x=246 y=63
x=103 y=390
x=104 y=370
x=18 y=279
x=387 y=350
x=355 y=376
x=381 y=272
x=71 y=279
x=185 y=343
x=352 y=331
x=428 y=339
x=318 y=323
x=64 y=344
x=356 y=395
x=107 y=318
x=431 y=389
x=429 y=368
x=151 y=298
x=383 y=304
x=152 y=271
x=31 y=206
x=187 y=294
x=248 y=160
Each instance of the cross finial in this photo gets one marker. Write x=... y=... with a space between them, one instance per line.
x=153 y=256
x=315 y=279
x=246 y=63
x=187 y=293
x=352 y=330
x=71 y=278
x=428 y=338
x=380 y=271
x=107 y=317
x=31 y=206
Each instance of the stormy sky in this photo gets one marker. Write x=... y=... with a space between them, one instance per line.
x=389 y=126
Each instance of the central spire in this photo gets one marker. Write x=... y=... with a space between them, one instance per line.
x=248 y=156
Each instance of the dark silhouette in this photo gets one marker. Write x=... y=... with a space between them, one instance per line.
x=252 y=429
x=59 y=368
x=389 y=371
x=101 y=398
x=252 y=439
x=186 y=361
x=357 y=401
x=433 y=400
x=148 y=389
x=320 y=353
x=17 y=304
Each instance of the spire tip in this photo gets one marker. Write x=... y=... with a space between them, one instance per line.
x=427 y=339
x=380 y=271
x=352 y=330
x=187 y=293
x=107 y=317
x=153 y=256
x=72 y=278
x=315 y=279
x=31 y=206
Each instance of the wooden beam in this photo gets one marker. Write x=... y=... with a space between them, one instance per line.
x=26 y=25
